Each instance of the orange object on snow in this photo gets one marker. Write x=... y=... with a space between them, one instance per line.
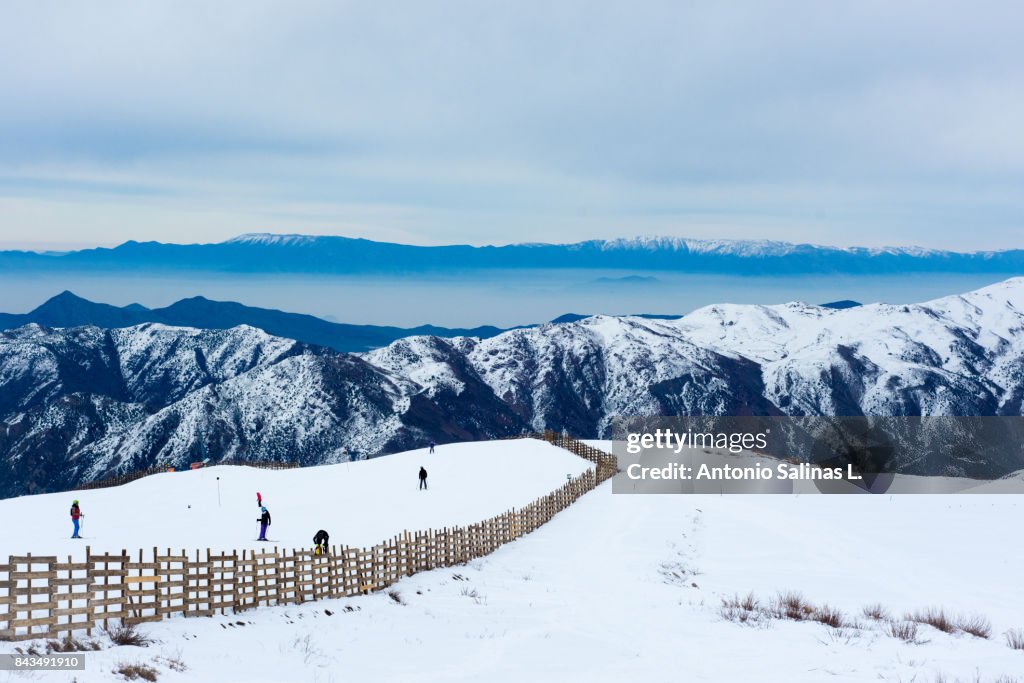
x=195 y=466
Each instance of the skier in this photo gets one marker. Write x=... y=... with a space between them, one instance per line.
x=76 y=514
x=320 y=543
x=432 y=444
x=259 y=499
x=423 y=478
x=264 y=521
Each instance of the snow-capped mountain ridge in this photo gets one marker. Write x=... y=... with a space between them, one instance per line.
x=737 y=247
x=956 y=355
x=318 y=254
x=272 y=239
x=83 y=402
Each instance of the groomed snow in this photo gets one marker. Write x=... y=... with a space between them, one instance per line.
x=359 y=503
x=605 y=592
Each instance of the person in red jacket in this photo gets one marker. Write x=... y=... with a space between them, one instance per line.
x=76 y=514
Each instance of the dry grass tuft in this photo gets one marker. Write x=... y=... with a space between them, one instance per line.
x=876 y=612
x=829 y=616
x=791 y=605
x=743 y=610
x=136 y=671
x=978 y=626
x=935 y=617
x=71 y=644
x=904 y=630
x=127 y=634
x=1015 y=638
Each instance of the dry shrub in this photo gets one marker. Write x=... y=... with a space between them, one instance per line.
x=396 y=597
x=876 y=612
x=71 y=644
x=472 y=593
x=976 y=625
x=743 y=610
x=830 y=616
x=127 y=634
x=747 y=603
x=791 y=605
x=1015 y=638
x=935 y=617
x=904 y=630
x=173 y=662
x=136 y=671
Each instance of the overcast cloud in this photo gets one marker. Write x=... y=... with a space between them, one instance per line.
x=838 y=123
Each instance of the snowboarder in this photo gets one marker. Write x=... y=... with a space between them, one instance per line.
x=264 y=521
x=423 y=478
x=76 y=515
x=432 y=444
x=320 y=542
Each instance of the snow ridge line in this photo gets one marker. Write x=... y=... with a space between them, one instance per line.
x=116 y=588
x=129 y=477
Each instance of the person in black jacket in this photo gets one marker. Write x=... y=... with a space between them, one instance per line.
x=264 y=521
x=423 y=478
x=320 y=542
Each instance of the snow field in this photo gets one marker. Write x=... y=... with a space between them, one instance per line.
x=359 y=503
x=605 y=592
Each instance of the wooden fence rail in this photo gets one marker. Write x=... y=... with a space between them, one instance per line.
x=46 y=597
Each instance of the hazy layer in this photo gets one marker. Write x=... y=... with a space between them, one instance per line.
x=504 y=298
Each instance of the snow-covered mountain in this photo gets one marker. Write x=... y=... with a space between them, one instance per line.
x=745 y=248
x=80 y=403
x=961 y=355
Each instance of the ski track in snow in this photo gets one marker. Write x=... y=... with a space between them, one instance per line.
x=604 y=591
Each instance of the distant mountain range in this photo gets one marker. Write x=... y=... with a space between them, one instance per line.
x=81 y=403
x=265 y=253
x=70 y=310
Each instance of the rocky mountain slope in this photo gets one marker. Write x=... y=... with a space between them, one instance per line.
x=81 y=403
x=961 y=355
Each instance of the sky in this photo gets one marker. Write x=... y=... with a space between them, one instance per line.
x=861 y=123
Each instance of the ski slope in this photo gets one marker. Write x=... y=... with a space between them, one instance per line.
x=359 y=503
x=623 y=587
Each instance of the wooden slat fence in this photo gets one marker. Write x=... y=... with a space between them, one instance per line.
x=45 y=597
